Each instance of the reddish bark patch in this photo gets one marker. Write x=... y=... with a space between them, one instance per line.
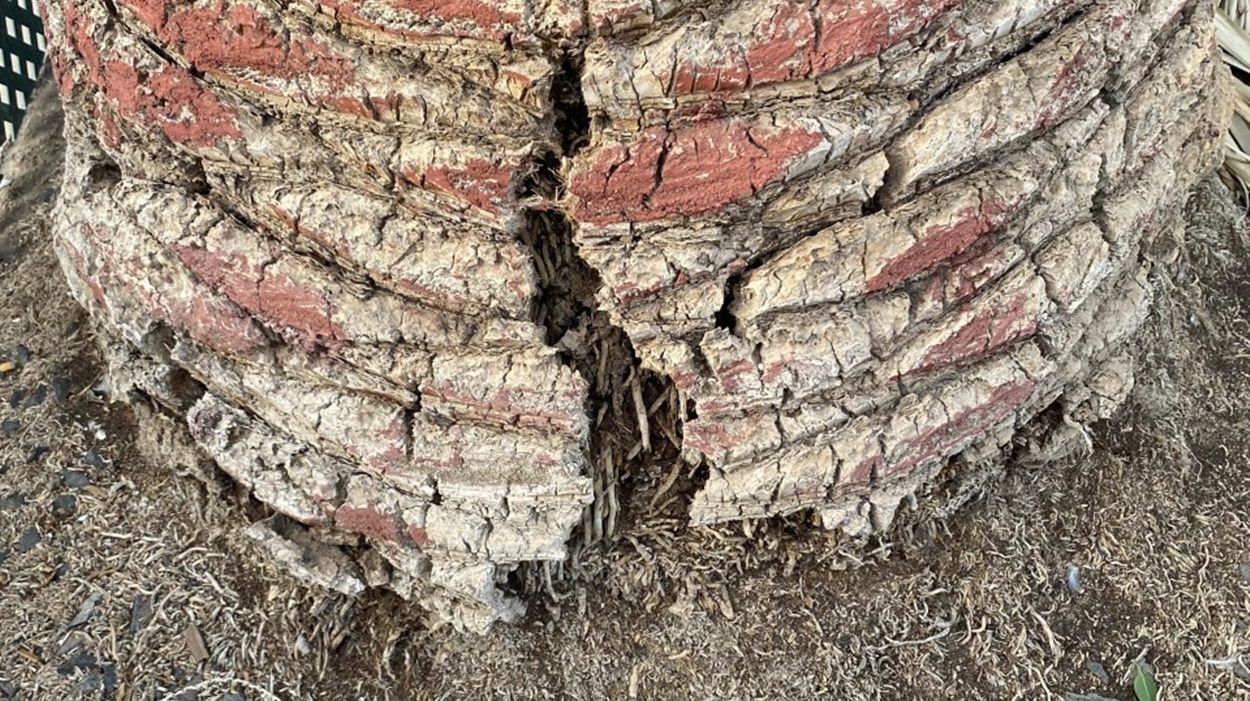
x=940 y=243
x=707 y=437
x=466 y=19
x=970 y=275
x=774 y=370
x=797 y=41
x=302 y=313
x=990 y=329
x=728 y=374
x=627 y=293
x=682 y=379
x=479 y=182
x=717 y=440
x=863 y=28
x=234 y=36
x=715 y=406
x=1066 y=87
x=802 y=365
x=616 y=18
x=449 y=466
x=367 y=108
x=217 y=326
x=780 y=52
x=860 y=473
x=502 y=407
x=222 y=329
x=170 y=99
x=369 y=521
x=475 y=12
x=419 y=536
x=63 y=78
x=79 y=263
x=694 y=169
x=80 y=36
x=394 y=457
x=210 y=320
x=942 y=440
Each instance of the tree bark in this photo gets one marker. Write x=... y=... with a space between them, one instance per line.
x=401 y=264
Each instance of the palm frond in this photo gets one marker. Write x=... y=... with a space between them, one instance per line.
x=1232 y=28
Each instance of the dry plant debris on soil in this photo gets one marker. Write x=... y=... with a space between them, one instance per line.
x=124 y=572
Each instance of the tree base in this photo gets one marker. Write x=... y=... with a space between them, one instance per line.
x=447 y=318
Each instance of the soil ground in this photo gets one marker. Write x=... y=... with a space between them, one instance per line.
x=124 y=572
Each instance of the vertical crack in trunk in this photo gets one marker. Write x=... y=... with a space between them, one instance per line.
x=567 y=284
x=621 y=395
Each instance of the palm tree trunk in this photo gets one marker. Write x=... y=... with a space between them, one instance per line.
x=418 y=272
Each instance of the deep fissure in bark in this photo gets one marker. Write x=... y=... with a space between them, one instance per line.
x=567 y=285
x=585 y=337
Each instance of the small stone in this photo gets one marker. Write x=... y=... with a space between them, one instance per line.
x=13 y=502
x=9 y=426
x=64 y=506
x=1245 y=571
x=60 y=389
x=4 y=555
x=89 y=684
x=108 y=674
x=1096 y=669
x=72 y=642
x=376 y=570
x=21 y=355
x=38 y=453
x=1073 y=579
x=232 y=696
x=8 y=690
x=81 y=659
x=28 y=540
x=195 y=643
x=140 y=614
x=75 y=479
x=36 y=398
x=86 y=610
x=92 y=458
x=15 y=399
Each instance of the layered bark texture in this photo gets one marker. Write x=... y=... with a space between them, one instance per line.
x=395 y=261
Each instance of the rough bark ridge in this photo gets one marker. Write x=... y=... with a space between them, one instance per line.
x=394 y=259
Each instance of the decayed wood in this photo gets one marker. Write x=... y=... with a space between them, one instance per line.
x=387 y=257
